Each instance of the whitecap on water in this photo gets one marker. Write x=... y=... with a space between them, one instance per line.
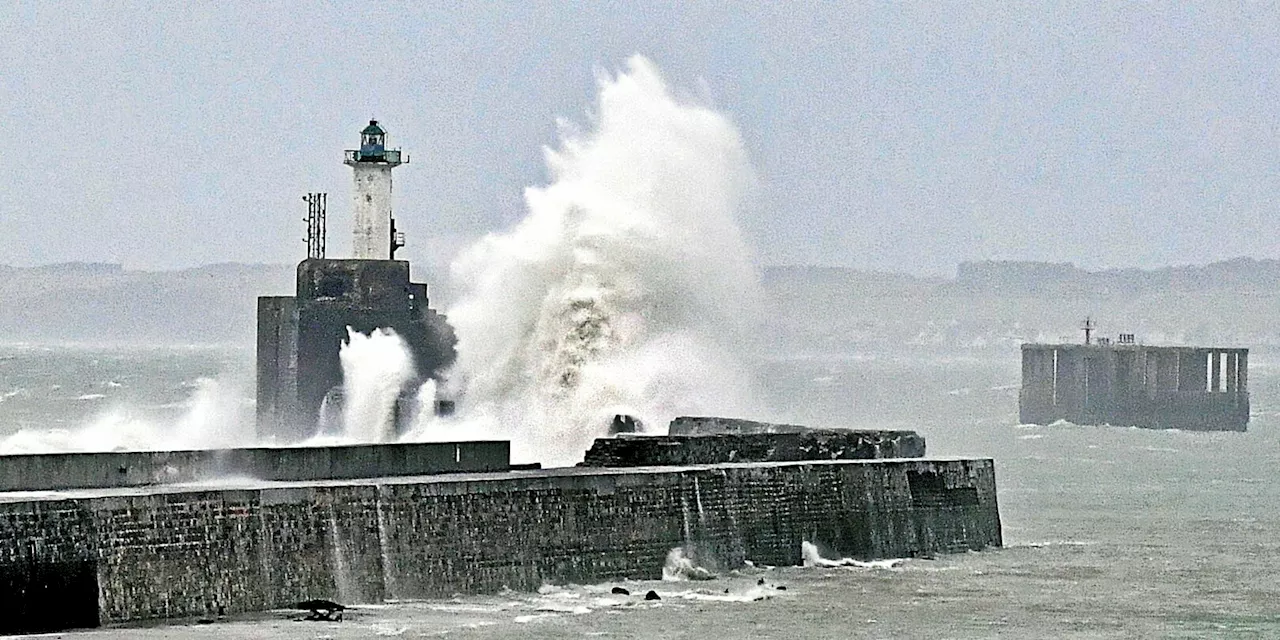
x=754 y=594
x=812 y=558
x=536 y=617
x=217 y=415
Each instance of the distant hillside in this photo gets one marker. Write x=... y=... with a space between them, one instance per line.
x=96 y=303
x=811 y=309
x=1018 y=278
x=998 y=305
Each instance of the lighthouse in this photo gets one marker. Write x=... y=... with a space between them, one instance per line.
x=375 y=236
x=300 y=336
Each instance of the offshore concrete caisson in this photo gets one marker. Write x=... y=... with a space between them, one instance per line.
x=1129 y=384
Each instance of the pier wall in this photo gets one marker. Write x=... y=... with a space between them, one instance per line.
x=813 y=444
x=53 y=471
x=119 y=555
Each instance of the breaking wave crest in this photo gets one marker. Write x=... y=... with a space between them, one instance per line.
x=626 y=288
x=218 y=415
x=811 y=557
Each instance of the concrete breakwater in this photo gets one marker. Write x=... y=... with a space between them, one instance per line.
x=52 y=471
x=88 y=557
x=811 y=444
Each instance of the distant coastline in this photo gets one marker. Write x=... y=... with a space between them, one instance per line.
x=987 y=305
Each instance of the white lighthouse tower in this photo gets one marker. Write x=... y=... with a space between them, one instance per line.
x=376 y=237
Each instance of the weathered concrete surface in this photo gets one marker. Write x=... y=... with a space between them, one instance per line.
x=1190 y=388
x=812 y=444
x=299 y=336
x=713 y=425
x=127 y=554
x=43 y=472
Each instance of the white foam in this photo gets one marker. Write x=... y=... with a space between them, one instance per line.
x=556 y=607
x=627 y=286
x=680 y=566
x=217 y=415
x=754 y=594
x=812 y=558
x=375 y=370
x=537 y=617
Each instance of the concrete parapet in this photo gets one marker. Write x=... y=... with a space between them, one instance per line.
x=45 y=472
x=713 y=425
x=118 y=555
x=811 y=444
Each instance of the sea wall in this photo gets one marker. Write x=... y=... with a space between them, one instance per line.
x=715 y=425
x=118 y=555
x=810 y=444
x=43 y=472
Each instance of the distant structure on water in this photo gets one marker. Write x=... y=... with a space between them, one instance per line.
x=299 y=336
x=1129 y=384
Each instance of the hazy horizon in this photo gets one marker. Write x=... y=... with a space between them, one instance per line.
x=902 y=138
x=70 y=264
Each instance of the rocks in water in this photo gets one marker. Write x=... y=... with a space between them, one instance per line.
x=698 y=573
x=619 y=591
x=326 y=610
x=652 y=595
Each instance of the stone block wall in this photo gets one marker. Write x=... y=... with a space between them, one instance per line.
x=176 y=554
x=811 y=444
x=48 y=569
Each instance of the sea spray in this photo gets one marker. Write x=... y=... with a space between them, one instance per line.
x=218 y=414
x=375 y=369
x=679 y=566
x=626 y=287
x=811 y=557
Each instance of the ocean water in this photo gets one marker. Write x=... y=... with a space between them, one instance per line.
x=1110 y=532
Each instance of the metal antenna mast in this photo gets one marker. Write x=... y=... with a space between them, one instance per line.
x=316 y=205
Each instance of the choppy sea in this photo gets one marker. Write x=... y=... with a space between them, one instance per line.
x=1109 y=532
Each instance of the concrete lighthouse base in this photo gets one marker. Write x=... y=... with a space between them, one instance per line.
x=299 y=336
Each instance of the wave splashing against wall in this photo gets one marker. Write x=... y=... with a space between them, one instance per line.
x=375 y=369
x=624 y=289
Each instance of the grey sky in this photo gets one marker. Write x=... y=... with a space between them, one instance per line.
x=900 y=136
